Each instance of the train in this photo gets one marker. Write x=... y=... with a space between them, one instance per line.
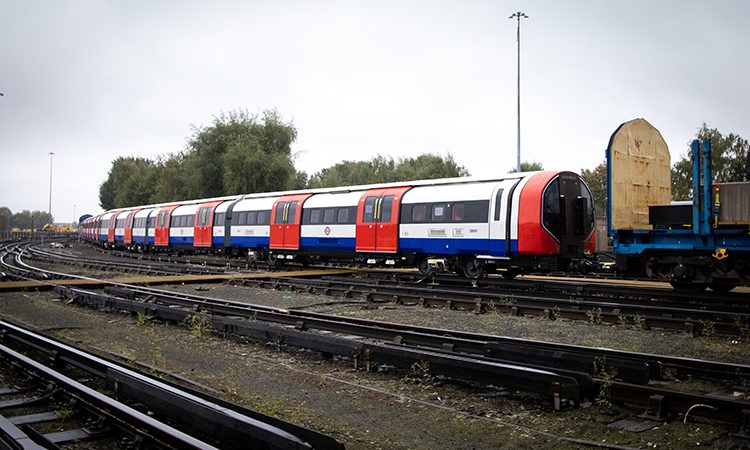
x=693 y=244
x=511 y=224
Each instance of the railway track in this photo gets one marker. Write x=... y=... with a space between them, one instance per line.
x=110 y=405
x=564 y=374
x=730 y=319
x=593 y=302
x=151 y=267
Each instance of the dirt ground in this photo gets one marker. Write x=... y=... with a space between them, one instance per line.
x=382 y=410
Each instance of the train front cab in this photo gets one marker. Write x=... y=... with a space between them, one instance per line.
x=555 y=220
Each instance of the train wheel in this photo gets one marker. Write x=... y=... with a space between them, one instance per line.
x=472 y=268
x=273 y=260
x=424 y=268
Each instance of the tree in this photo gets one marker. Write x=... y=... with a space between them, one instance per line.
x=596 y=178
x=23 y=219
x=528 y=167
x=5 y=217
x=170 y=179
x=428 y=167
x=383 y=169
x=240 y=153
x=131 y=181
x=730 y=161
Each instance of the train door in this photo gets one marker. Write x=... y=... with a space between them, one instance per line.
x=204 y=224
x=227 y=220
x=161 y=228
x=500 y=218
x=111 y=227
x=286 y=216
x=377 y=220
x=128 y=239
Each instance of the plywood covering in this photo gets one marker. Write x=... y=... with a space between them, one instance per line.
x=640 y=174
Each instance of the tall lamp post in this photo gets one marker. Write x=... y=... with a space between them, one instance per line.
x=518 y=15
x=50 y=183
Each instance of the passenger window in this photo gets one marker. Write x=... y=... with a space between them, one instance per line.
x=328 y=216
x=498 y=203
x=419 y=213
x=264 y=217
x=551 y=216
x=190 y=221
x=343 y=216
x=315 y=216
x=292 y=213
x=369 y=212
x=252 y=217
x=385 y=208
x=457 y=212
x=438 y=213
x=279 y=218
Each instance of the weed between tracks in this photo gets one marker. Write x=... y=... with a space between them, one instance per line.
x=198 y=325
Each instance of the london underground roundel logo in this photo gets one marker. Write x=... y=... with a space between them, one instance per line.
x=327 y=231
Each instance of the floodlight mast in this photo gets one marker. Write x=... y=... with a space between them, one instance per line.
x=518 y=15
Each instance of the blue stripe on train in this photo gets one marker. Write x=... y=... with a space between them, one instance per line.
x=247 y=241
x=181 y=241
x=456 y=246
x=327 y=243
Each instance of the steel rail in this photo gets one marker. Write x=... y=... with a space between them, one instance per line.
x=674 y=317
x=405 y=347
x=660 y=366
x=161 y=268
x=221 y=423
x=572 y=286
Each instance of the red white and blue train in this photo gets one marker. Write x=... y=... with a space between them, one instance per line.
x=516 y=223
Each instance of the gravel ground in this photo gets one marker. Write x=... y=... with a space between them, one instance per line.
x=384 y=410
x=372 y=410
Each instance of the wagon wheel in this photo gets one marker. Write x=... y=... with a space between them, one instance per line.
x=472 y=268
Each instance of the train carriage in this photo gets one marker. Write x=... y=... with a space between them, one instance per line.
x=182 y=226
x=129 y=222
x=250 y=223
x=522 y=221
x=329 y=223
x=119 y=231
x=140 y=233
x=103 y=228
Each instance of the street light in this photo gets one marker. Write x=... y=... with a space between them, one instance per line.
x=518 y=15
x=50 y=183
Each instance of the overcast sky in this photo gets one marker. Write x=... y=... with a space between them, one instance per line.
x=94 y=80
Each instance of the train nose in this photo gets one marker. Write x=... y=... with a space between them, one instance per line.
x=568 y=213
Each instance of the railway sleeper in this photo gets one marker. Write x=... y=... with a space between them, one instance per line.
x=562 y=389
